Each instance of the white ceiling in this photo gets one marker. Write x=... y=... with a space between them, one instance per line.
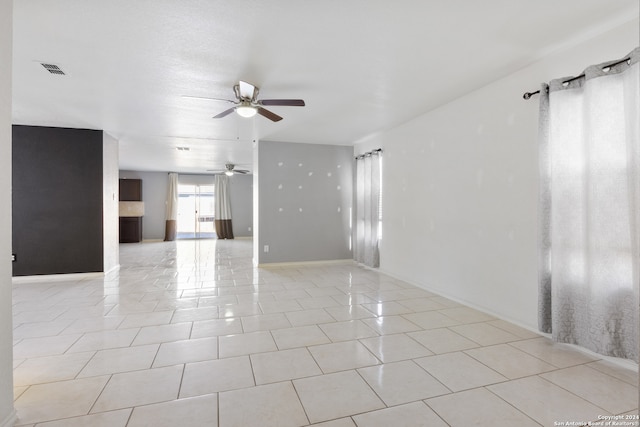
x=362 y=66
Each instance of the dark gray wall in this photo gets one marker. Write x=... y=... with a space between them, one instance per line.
x=241 y=195
x=305 y=197
x=57 y=187
x=154 y=196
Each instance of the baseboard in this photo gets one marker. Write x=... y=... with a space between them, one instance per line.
x=112 y=270
x=464 y=302
x=162 y=240
x=63 y=277
x=625 y=363
x=10 y=420
x=305 y=263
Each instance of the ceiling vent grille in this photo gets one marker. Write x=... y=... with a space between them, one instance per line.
x=182 y=148
x=53 y=69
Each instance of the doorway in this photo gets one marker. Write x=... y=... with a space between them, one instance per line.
x=196 y=204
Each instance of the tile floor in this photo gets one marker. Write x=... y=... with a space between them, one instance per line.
x=190 y=334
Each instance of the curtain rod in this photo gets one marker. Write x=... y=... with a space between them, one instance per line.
x=368 y=153
x=528 y=95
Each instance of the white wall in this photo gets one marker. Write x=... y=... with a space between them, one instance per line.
x=7 y=412
x=460 y=187
x=110 y=229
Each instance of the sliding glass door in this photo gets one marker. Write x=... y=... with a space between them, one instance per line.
x=195 y=211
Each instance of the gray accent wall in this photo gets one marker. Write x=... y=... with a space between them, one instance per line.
x=241 y=195
x=305 y=200
x=154 y=195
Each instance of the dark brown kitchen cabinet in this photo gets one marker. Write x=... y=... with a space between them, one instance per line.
x=130 y=226
x=130 y=190
x=130 y=229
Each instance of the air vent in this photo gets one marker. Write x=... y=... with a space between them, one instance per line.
x=53 y=69
x=182 y=148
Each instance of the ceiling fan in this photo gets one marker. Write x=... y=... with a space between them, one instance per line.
x=230 y=169
x=248 y=104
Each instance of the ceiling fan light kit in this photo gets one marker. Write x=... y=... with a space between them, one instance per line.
x=245 y=109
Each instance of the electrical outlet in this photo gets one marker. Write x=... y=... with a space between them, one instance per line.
x=266 y=249
x=249 y=228
x=14 y=257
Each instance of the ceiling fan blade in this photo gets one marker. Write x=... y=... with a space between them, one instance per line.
x=284 y=102
x=241 y=171
x=225 y=113
x=207 y=98
x=247 y=90
x=269 y=115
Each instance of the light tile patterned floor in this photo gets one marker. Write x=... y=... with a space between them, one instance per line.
x=188 y=333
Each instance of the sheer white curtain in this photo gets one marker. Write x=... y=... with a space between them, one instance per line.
x=368 y=209
x=590 y=208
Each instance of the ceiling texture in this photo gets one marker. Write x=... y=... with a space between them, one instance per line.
x=362 y=66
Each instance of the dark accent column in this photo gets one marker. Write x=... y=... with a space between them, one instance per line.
x=57 y=200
